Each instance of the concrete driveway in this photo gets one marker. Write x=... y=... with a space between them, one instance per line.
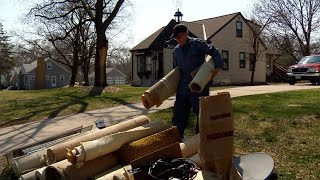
x=20 y=135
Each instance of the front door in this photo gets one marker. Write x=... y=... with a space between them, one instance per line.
x=53 y=81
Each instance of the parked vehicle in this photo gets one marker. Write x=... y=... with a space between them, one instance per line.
x=308 y=68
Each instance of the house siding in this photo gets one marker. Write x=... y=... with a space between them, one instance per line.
x=226 y=40
x=113 y=77
x=56 y=70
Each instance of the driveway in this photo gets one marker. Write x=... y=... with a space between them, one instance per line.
x=20 y=135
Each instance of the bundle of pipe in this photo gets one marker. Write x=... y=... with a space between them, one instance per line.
x=162 y=90
x=29 y=162
x=144 y=146
x=93 y=149
x=59 y=152
x=65 y=170
x=190 y=146
x=203 y=75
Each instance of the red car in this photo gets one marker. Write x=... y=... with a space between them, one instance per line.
x=308 y=68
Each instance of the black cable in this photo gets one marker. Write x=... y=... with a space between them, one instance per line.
x=166 y=169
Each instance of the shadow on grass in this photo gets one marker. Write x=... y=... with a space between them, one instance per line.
x=8 y=173
x=49 y=107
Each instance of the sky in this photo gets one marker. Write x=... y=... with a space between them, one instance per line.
x=147 y=15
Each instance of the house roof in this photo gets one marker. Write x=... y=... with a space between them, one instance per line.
x=215 y=24
x=147 y=42
x=27 y=68
x=108 y=70
x=197 y=29
x=157 y=39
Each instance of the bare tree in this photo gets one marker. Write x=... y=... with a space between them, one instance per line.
x=256 y=44
x=70 y=35
x=102 y=13
x=298 y=20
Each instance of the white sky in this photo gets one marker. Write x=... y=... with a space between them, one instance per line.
x=148 y=16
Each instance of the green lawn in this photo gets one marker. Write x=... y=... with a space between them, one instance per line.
x=25 y=106
x=18 y=107
x=285 y=125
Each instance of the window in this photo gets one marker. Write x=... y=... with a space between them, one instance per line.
x=62 y=78
x=141 y=64
x=32 y=77
x=251 y=58
x=25 y=80
x=53 y=81
x=49 y=65
x=242 y=58
x=239 y=29
x=148 y=64
x=47 y=77
x=225 y=58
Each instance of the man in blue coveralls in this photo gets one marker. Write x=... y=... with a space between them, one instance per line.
x=189 y=55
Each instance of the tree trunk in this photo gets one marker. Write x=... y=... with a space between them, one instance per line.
x=253 y=70
x=74 y=72
x=100 y=59
x=85 y=71
x=0 y=82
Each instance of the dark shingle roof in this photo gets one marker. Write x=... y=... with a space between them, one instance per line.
x=200 y=28
x=215 y=24
x=147 y=42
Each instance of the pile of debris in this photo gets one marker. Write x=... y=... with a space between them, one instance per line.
x=140 y=149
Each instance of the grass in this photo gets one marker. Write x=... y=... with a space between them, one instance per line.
x=26 y=106
x=284 y=125
x=18 y=107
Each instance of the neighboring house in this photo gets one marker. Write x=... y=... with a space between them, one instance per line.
x=231 y=34
x=41 y=74
x=3 y=81
x=114 y=76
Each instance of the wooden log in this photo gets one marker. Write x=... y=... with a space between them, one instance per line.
x=203 y=76
x=65 y=170
x=99 y=147
x=162 y=90
x=59 y=152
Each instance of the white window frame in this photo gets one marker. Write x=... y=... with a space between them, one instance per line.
x=49 y=65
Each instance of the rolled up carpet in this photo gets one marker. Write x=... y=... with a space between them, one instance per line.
x=137 y=149
x=162 y=90
x=190 y=146
x=59 y=152
x=203 y=75
x=65 y=170
x=39 y=173
x=105 y=145
x=28 y=162
x=28 y=176
x=121 y=173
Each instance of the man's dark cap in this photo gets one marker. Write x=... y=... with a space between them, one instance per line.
x=179 y=28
